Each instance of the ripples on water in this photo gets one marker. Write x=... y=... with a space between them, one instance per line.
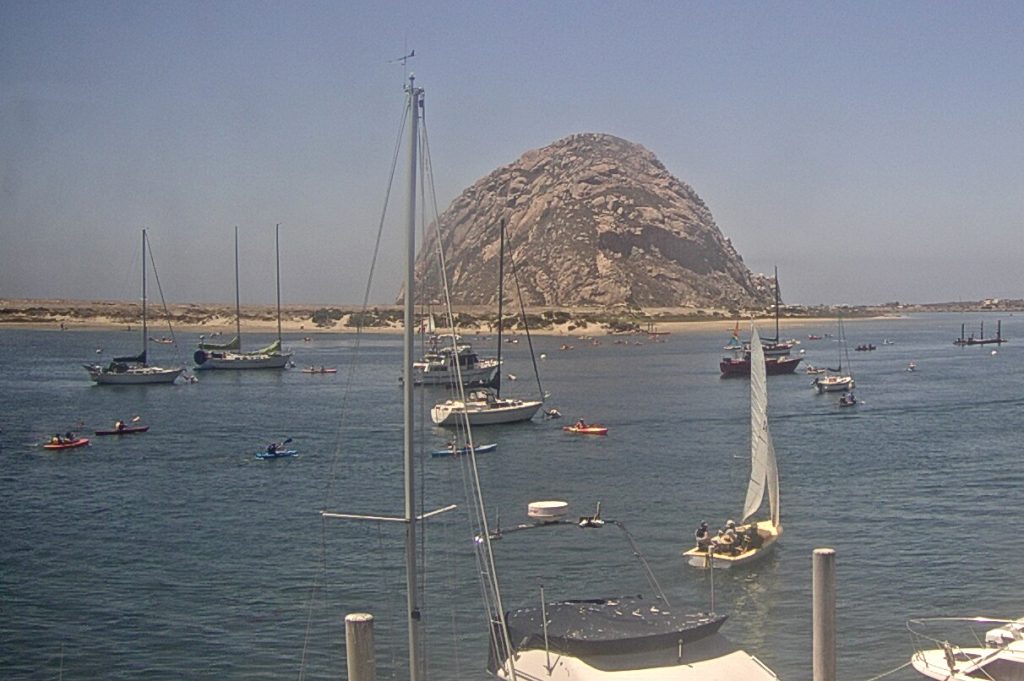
x=177 y=554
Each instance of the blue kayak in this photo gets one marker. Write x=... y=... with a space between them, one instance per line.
x=462 y=451
x=276 y=455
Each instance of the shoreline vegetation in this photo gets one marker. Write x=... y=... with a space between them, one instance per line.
x=311 y=319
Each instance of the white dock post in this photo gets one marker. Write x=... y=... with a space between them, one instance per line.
x=362 y=665
x=823 y=585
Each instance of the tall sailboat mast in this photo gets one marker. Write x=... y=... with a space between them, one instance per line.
x=501 y=301
x=238 y=305
x=145 y=336
x=277 y=260
x=415 y=99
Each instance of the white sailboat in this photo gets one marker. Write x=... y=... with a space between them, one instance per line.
x=749 y=541
x=836 y=380
x=484 y=406
x=229 y=355
x=134 y=370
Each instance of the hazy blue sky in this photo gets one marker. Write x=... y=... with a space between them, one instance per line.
x=873 y=151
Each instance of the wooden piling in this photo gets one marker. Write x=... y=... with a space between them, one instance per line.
x=362 y=665
x=824 y=615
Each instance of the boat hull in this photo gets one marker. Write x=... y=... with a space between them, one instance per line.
x=773 y=366
x=463 y=451
x=483 y=374
x=127 y=430
x=279 y=454
x=586 y=430
x=834 y=384
x=231 y=361
x=620 y=638
x=769 y=535
x=133 y=375
x=77 y=442
x=452 y=412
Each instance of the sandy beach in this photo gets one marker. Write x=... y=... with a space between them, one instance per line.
x=312 y=319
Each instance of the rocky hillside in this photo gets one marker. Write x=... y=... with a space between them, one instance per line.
x=590 y=220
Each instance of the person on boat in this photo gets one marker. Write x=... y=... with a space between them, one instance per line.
x=581 y=424
x=119 y=426
x=69 y=436
x=272 y=448
x=702 y=536
x=56 y=440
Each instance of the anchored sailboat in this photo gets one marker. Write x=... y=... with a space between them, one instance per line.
x=134 y=370
x=485 y=406
x=748 y=541
x=229 y=355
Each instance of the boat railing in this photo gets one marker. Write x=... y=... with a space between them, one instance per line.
x=954 y=634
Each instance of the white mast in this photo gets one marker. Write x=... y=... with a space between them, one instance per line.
x=415 y=96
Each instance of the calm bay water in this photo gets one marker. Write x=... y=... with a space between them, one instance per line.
x=177 y=554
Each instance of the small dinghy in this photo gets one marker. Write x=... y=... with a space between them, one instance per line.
x=451 y=450
x=586 y=428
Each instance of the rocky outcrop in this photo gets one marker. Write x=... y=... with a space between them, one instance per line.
x=590 y=220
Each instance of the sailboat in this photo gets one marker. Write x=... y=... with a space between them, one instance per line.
x=749 y=541
x=486 y=406
x=776 y=352
x=837 y=380
x=229 y=355
x=134 y=369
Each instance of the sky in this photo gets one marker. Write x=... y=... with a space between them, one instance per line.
x=873 y=151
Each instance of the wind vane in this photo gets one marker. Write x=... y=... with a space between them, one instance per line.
x=404 y=59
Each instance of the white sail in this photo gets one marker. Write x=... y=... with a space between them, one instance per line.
x=763 y=471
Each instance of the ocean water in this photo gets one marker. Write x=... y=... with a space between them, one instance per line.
x=177 y=554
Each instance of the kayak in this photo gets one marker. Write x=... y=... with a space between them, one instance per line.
x=281 y=453
x=321 y=370
x=67 y=444
x=124 y=431
x=462 y=451
x=593 y=429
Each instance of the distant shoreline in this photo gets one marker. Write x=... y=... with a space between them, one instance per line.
x=54 y=314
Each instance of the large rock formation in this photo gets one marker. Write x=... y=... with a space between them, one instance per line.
x=590 y=220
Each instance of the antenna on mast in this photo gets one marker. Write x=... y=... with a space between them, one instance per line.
x=404 y=60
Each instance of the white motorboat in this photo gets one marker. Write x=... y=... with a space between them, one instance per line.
x=999 y=658
x=749 y=541
x=483 y=407
x=438 y=365
x=134 y=370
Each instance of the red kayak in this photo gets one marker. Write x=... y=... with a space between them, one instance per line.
x=593 y=429
x=124 y=431
x=67 y=444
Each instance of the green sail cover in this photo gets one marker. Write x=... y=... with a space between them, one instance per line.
x=233 y=344
x=272 y=349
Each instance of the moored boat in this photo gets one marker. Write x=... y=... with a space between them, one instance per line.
x=993 y=655
x=229 y=356
x=134 y=370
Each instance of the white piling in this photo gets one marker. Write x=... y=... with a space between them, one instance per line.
x=362 y=665
x=824 y=615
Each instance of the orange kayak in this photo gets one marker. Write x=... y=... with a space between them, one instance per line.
x=593 y=429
